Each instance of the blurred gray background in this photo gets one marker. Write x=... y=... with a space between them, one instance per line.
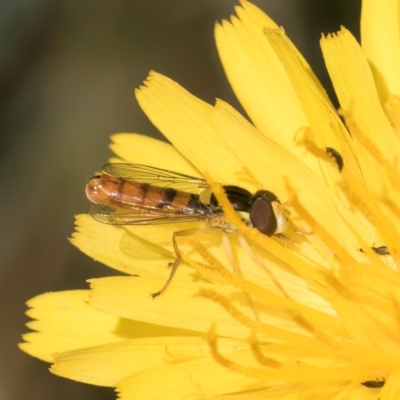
x=67 y=74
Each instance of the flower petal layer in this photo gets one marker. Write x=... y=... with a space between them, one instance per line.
x=61 y=323
x=257 y=75
x=122 y=250
x=108 y=364
x=375 y=144
x=184 y=120
x=129 y=297
x=381 y=44
x=139 y=149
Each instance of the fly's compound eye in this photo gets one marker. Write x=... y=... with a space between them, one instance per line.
x=262 y=214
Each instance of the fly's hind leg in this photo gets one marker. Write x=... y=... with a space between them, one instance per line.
x=175 y=264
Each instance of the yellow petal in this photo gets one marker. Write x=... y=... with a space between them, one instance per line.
x=391 y=390
x=64 y=321
x=187 y=305
x=380 y=43
x=327 y=130
x=140 y=149
x=193 y=379
x=240 y=373
x=118 y=248
x=129 y=297
x=259 y=78
x=108 y=364
x=355 y=87
x=183 y=119
x=145 y=250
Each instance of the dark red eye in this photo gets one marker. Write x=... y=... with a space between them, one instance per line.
x=262 y=214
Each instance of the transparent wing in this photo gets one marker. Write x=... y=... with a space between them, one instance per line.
x=108 y=214
x=155 y=176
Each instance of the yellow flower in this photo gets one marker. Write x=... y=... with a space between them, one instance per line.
x=311 y=315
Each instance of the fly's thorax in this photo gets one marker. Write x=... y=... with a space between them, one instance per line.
x=239 y=198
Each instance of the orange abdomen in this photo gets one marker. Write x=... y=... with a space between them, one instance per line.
x=107 y=189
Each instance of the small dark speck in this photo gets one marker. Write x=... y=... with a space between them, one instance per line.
x=381 y=250
x=337 y=156
x=373 y=384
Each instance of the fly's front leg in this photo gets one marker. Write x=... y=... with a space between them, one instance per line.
x=174 y=267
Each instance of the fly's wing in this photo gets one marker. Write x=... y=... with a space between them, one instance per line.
x=107 y=214
x=118 y=214
x=155 y=176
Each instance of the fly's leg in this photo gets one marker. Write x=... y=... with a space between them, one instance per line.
x=175 y=264
x=228 y=251
x=260 y=262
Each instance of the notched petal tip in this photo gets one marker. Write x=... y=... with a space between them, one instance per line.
x=220 y=25
x=137 y=91
x=152 y=75
x=333 y=35
x=273 y=31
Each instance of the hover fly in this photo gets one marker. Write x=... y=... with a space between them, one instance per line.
x=134 y=194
